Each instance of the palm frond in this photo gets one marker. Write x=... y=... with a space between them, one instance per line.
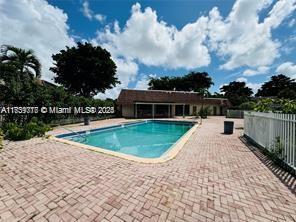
x=24 y=59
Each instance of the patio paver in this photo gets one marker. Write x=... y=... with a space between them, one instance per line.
x=215 y=177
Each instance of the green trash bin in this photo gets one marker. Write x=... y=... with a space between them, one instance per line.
x=86 y=121
x=228 y=127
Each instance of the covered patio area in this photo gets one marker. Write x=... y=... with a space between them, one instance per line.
x=166 y=104
x=160 y=110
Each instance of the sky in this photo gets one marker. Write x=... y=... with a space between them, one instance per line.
x=242 y=40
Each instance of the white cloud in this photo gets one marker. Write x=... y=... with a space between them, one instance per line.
x=152 y=42
x=158 y=45
x=126 y=70
x=253 y=86
x=88 y=13
x=241 y=79
x=281 y=10
x=142 y=83
x=241 y=38
x=253 y=72
x=101 y=18
x=35 y=25
x=287 y=68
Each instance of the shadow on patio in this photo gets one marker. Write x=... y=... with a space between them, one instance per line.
x=288 y=179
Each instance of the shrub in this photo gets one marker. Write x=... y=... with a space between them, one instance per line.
x=16 y=132
x=247 y=106
x=276 y=105
x=204 y=112
x=277 y=148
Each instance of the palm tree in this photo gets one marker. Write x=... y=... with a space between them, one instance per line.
x=204 y=93
x=19 y=68
x=24 y=60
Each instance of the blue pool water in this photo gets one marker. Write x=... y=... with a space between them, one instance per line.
x=148 y=139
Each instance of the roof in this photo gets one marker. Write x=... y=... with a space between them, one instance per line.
x=131 y=96
x=43 y=82
x=217 y=101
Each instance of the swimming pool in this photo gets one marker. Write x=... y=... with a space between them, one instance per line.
x=144 y=139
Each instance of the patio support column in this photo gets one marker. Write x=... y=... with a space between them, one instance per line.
x=169 y=111
x=183 y=110
x=153 y=109
x=136 y=111
x=173 y=110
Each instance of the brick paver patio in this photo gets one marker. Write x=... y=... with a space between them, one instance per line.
x=215 y=177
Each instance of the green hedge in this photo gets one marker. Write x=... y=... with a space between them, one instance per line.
x=34 y=128
x=276 y=105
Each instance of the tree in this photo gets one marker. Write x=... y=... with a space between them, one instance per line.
x=24 y=61
x=85 y=70
x=162 y=83
x=19 y=69
x=287 y=93
x=193 y=81
x=237 y=92
x=279 y=86
x=198 y=81
x=247 y=105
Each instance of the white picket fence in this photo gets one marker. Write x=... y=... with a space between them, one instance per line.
x=266 y=129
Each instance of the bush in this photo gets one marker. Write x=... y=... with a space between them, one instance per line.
x=277 y=149
x=51 y=96
x=1 y=139
x=247 y=106
x=16 y=132
x=276 y=105
x=204 y=112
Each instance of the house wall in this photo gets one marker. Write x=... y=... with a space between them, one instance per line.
x=224 y=111
x=173 y=110
x=127 y=111
x=198 y=107
x=211 y=109
x=190 y=109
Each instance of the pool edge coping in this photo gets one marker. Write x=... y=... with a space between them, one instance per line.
x=170 y=154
